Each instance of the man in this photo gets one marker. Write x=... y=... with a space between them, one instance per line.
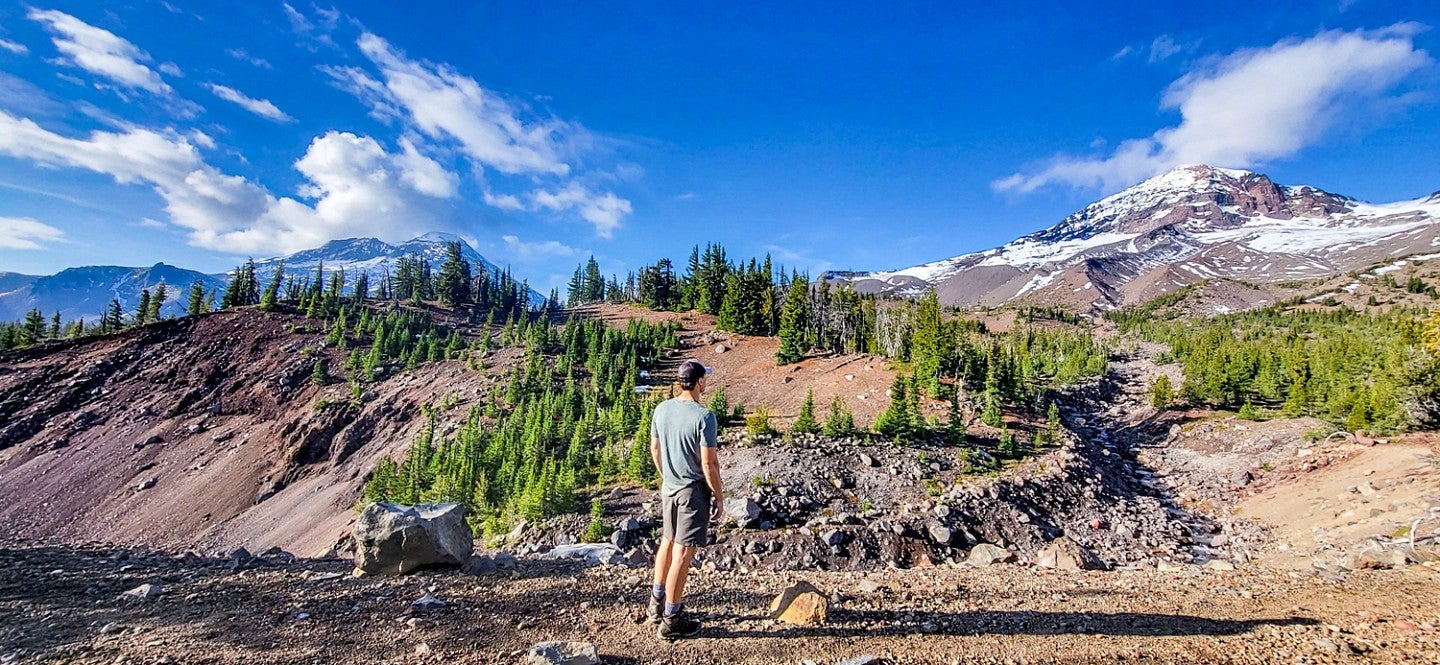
x=683 y=447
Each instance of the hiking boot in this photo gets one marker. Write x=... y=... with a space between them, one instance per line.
x=655 y=611
x=677 y=626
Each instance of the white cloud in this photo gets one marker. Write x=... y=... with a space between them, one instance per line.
x=260 y=107
x=1123 y=52
x=171 y=69
x=244 y=56
x=100 y=51
x=1250 y=107
x=358 y=188
x=13 y=47
x=440 y=104
x=530 y=251
x=602 y=210
x=687 y=196
x=26 y=233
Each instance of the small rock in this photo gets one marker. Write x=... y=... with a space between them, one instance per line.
x=941 y=533
x=479 y=564
x=563 y=653
x=864 y=660
x=427 y=603
x=423 y=649
x=1065 y=554
x=868 y=586
x=111 y=628
x=142 y=593
x=867 y=460
x=1241 y=478
x=986 y=554
x=1219 y=564
x=800 y=604
x=835 y=537
x=146 y=484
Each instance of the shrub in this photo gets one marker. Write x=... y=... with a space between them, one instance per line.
x=757 y=424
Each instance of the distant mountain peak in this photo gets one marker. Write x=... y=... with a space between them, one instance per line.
x=438 y=236
x=1191 y=223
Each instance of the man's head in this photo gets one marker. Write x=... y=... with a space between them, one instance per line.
x=692 y=376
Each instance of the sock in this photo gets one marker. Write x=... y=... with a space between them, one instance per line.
x=658 y=592
x=671 y=609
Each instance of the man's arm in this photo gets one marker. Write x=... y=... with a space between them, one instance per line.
x=655 y=451
x=710 y=464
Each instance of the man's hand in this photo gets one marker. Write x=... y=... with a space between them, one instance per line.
x=717 y=508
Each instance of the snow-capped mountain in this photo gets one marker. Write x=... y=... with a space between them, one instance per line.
x=1193 y=223
x=86 y=292
x=375 y=258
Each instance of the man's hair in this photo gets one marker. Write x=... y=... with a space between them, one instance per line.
x=691 y=371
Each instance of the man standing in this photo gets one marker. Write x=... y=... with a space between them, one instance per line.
x=683 y=447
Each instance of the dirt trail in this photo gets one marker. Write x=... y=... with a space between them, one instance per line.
x=63 y=606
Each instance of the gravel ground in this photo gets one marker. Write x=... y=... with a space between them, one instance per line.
x=64 y=605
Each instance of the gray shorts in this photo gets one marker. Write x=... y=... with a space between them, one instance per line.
x=685 y=517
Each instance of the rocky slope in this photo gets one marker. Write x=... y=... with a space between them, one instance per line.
x=1192 y=224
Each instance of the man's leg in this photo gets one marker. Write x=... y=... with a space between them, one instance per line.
x=679 y=572
x=662 y=561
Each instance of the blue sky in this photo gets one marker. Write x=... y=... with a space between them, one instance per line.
x=833 y=135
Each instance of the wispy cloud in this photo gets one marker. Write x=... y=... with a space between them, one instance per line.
x=100 y=52
x=1252 y=106
x=26 y=233
x=687 y=196
x=261 y=107
x=244 y=56
x=13 y=47
x=531 y=251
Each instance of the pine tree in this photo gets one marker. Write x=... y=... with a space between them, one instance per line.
x=955 y=430
x=794 y=315
x=991 y=413
x=927 y=347
x=321 y=374
x=453 y=283
x=157 y=301
x=1161 y=393
x=197 y=305
x=272 y=290
x=113 y=320
x=142 y=312
x=805 y=422
x=720 y=406
x=895 y=421
x=55 y=326
x=33 y=330
x=839 y=422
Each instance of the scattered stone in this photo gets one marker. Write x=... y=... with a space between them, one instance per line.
x=835 y=537
x=867 y=460
x=111 y=628
x=505 y=560
x=394 y=539
x=743 y=511
x=986 y=554
x=1241 y=478
x=240 y=559
x=1065 y=554
x=868 y=586
x=428 y=603
x=1219 y=564
x=423 y=649
x=563 y=653
x=864 y=660
x=800 y=604
x=595 y=555
x=142 y=593
x=479 y=565
x=146 y=484
x=941 y=533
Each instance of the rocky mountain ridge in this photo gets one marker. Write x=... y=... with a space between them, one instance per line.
x=84 y=292
x=1194 y=223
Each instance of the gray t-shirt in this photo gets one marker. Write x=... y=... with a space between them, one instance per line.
x=683 y=427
